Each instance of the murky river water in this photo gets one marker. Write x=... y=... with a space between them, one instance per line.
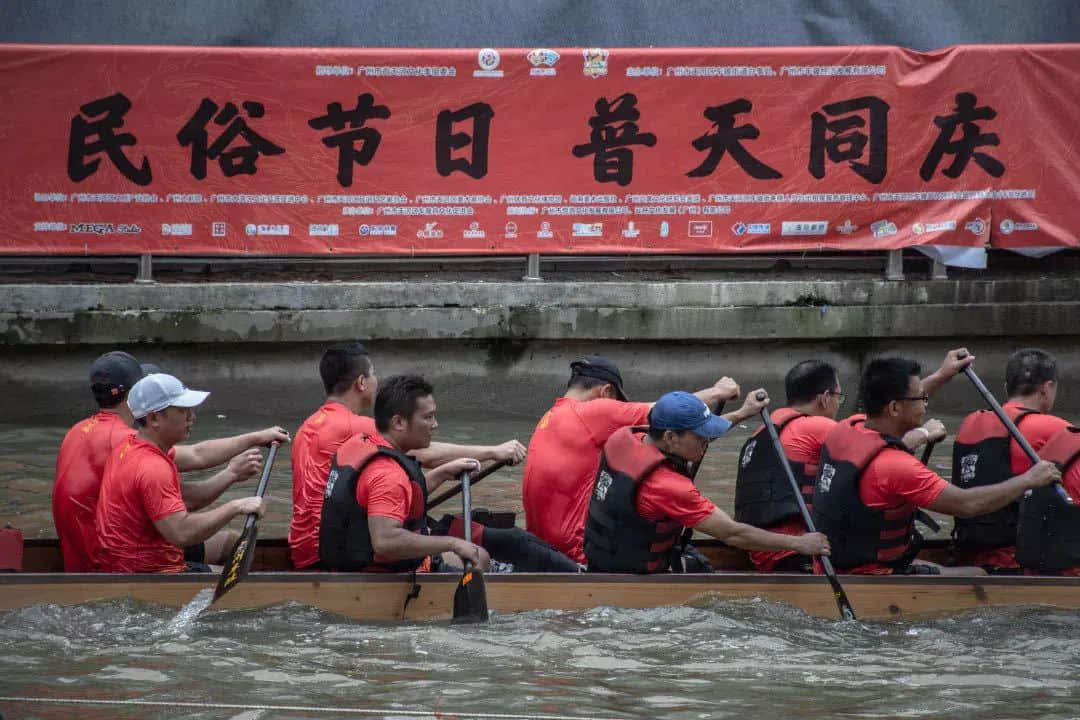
x=715 y=659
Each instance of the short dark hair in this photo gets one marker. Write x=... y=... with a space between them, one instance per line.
x=1027 y=369
x=582 y=382
x=342 y=364
x=886 y=380
x=398 y=395
x=106 y=396
x=807 y=380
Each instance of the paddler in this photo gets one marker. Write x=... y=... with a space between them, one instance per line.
x=869 y=486
x=985 y=454
x=565 y=448
x=145 y=517
x=763 y=495
x=644 y=496
x=348 y=376
x=80 y=463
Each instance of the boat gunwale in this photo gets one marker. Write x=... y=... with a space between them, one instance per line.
x=717 y=578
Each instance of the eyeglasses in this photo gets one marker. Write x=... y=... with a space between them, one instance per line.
x=925 y=398
x=840 y=397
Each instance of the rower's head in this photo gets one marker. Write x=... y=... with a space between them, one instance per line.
x=681 y=424
x=164 y=409
x=112 y=376
x=892 y=394
x=813 y=387
x=594 y=377
x=405 y=412
x=1031 y=376
x=349 y=375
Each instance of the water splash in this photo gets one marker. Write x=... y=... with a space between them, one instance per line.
x=188 y=614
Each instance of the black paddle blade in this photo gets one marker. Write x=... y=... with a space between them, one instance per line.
x=238 y=563
x=846 y=611
x=470 y=598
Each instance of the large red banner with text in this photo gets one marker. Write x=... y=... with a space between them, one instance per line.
x=563 y=150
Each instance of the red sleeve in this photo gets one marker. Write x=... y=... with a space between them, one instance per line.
x=385 y=490
x=804 y=438
x=1071 y=480
x=159 y=488
x=669 y=495
x=361 y=425
x=897 y=478
x=604 y=416
x=1037 y=430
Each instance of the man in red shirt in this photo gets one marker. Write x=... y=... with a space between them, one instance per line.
x=985 y=454
x=80 y=463
x=351 y=385
x=564 y=451
x=644 y=495
x=869 y=486
x=142 y=521
x=763 y=495
x=374 y=516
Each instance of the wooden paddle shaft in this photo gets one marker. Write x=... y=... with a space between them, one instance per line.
x=466 y=504
x=264 y=480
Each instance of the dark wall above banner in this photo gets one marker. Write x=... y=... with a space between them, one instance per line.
x=554 y=150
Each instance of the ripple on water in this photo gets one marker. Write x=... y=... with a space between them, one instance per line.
x=714 y=658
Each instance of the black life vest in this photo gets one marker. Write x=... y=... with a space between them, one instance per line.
x=617 y=539
x=981 y=457
x=858 y=534
x=763 y=494
x=344 y=537
x=1048 y=535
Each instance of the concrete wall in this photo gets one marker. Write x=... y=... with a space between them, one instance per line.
x=505 y=347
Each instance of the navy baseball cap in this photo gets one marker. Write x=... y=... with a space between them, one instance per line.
x=600 y=368
x=684 y=411
x=114 y=373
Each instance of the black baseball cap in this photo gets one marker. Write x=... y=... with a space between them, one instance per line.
x=113 y=374
x=600 y=368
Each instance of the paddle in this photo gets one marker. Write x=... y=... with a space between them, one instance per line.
x=439 y=500
x=470 y=598
x=1009 y=424
x=238 y=563
x=846 y=611
x=928 y=451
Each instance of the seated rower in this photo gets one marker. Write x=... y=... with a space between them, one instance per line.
x=143 y=516
x=985 y=454
x=564 y=451
x=1048 y=540
x=763 y=495
x=374 y=514
x=644 y=495
x=348 y=376
x=869 y=486
x=86 y=447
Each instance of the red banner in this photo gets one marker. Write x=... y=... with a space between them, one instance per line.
x=566 y=150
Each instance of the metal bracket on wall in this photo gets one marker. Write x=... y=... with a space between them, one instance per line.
x=894 y=265
x=145 y=274
x=532 y=270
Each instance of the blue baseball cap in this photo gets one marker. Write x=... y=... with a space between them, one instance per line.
x=683 y=411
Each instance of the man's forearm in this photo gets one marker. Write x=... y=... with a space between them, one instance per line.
x=933 y=382
x=199 y=494
x=210 y=453
x=749 y=537
x=401 y=544
x=988 y=498
x=200 y=526
x=440 y=453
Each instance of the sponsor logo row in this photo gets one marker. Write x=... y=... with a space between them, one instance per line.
x=694 y=229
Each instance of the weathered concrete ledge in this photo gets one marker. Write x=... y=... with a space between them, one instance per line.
x=554 y=311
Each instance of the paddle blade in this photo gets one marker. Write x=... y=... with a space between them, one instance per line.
x=470 y=598
x=238 y=563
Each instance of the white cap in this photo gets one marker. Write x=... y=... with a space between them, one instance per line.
x=156 y=392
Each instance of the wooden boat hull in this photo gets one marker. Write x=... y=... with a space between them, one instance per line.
x=382 y=597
